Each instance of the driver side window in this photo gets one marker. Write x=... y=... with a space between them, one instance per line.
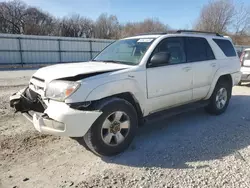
x=175 y=47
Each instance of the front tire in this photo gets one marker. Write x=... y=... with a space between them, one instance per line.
x=114 y=130
x=220 y=98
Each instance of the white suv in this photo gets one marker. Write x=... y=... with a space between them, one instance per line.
x=102 y=102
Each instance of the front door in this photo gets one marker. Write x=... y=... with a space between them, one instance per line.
x=170 y=84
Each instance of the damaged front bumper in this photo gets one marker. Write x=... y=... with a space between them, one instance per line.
x=54 y=117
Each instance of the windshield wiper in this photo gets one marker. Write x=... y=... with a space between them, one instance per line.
x=110 y=61
x=107 y=61
x=116 y=61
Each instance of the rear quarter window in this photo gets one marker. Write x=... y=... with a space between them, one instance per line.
x=226 y=46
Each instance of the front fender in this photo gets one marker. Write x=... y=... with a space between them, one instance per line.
x=118 y=87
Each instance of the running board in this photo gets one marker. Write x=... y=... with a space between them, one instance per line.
x=176 y=110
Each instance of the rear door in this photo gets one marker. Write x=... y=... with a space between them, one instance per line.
x=200 y=54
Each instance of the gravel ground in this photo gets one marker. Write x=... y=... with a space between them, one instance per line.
x=192 y=149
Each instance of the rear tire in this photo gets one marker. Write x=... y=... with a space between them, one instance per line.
x=220 y=98
x=114 y=130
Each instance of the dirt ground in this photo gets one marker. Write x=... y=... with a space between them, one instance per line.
x=192 y=149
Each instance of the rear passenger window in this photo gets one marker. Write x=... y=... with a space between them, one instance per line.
x=226 y=46
x=198 y=49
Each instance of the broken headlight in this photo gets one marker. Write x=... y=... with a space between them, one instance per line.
x=60 y=90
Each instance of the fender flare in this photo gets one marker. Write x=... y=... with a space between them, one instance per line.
x=220 y=72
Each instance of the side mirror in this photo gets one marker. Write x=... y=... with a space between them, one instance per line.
x=159 y=59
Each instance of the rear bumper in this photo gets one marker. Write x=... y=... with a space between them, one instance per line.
x=59 y=119
x=245 y=77
x=245 y=71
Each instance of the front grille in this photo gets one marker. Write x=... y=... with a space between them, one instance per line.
x=40 y=79
x=37 y=85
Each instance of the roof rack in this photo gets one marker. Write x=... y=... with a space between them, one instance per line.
x=202 y=32
x=180 y=31
x=152 y=33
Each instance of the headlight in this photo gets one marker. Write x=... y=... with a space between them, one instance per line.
x=60 y=90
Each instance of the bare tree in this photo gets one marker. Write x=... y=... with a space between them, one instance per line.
x=147 y=26
x=76 y=26
x=216 y=16
x=12 y=15
x=107 y=27
x=17 y=18
x=38 y=22
x=241 y=21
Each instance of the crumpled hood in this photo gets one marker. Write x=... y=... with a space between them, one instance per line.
x=73 y=69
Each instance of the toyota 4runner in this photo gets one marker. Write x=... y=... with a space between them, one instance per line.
x=102 y=102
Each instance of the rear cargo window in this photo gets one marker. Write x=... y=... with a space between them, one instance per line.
x=226 y=46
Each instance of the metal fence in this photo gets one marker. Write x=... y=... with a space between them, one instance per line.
x=28 y=49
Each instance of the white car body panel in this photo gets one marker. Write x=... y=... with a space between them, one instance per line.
x=74 y=69
x=247 y=63
x=245 y=69
x=202 y=80
x=166 y=88
x=153 y=89
x=122 y=86
x=74 y=123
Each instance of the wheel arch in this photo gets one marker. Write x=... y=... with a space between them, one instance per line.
x=220 y=78
x=128 y=97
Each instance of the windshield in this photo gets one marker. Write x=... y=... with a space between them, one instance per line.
x=127 y=51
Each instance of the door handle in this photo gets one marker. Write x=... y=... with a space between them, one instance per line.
x=186 y=69
x=213 y=64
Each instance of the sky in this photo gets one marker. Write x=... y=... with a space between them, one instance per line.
x=176 y=13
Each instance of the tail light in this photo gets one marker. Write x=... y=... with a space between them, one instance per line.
x=242 y=57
